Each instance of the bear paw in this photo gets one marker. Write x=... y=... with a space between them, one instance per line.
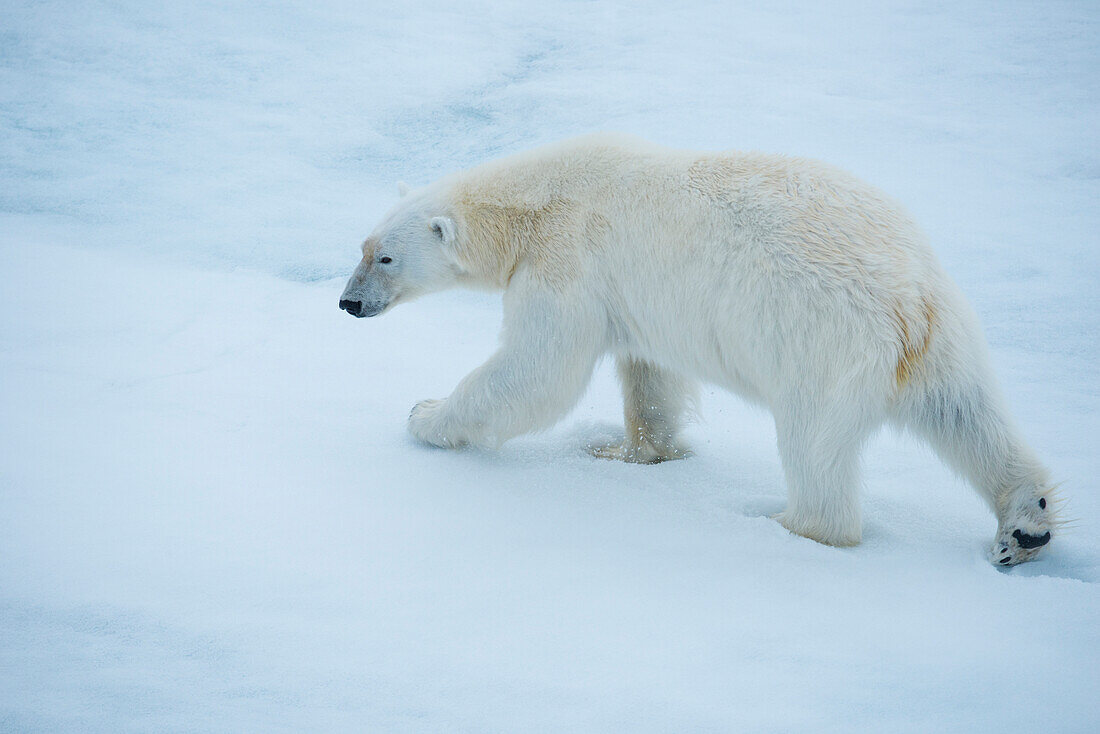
x=1018 y=547
x=1024 y=533
x=637 y=453
x=842 y=532
x=429 y=423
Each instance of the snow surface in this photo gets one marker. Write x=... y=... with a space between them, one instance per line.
x=212 y=520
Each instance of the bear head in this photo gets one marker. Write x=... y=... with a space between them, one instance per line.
x=410 y=253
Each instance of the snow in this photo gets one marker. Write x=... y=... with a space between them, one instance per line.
x=212 y=519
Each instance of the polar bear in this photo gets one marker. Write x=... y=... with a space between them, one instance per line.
x=784 y=280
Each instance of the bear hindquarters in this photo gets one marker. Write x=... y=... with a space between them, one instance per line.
x=654 y=403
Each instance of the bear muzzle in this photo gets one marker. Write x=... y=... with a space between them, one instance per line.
x=360 y=310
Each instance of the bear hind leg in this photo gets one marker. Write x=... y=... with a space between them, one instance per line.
x=967 y=425
x=655 y=401
x=819 y=450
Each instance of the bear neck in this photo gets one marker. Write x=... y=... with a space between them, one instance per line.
x=494 y=242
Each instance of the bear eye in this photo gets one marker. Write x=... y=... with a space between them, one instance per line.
x=385 y=260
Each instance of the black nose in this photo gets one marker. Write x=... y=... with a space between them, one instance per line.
x=352 y=307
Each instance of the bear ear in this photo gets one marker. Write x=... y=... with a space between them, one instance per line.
x=445 y=228
x=402 y=189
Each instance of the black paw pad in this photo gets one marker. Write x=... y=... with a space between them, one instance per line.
x=1031 y=541
x=1042 y=503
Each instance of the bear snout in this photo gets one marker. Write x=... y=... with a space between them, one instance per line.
x=360 y=310
x=352 y=307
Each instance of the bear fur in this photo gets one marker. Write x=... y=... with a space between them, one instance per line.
x=784 y=280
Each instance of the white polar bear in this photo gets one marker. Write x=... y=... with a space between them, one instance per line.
x=784 y=280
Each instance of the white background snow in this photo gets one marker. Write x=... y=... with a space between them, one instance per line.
x=212 y=519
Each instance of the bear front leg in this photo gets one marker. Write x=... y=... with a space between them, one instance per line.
x=548 y=351
x=654 y=403
x=430 y=423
